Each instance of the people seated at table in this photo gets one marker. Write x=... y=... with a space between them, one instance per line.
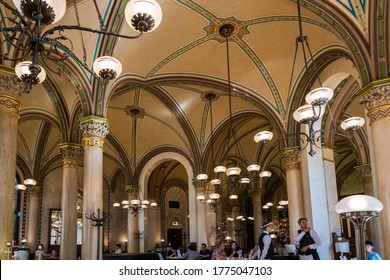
x=118 y=249
x=254 y=252
x=219 y=251
x=191 y=253
x=172 y=253
x=204 y=252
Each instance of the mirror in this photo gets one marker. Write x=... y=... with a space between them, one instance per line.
x=56 y=227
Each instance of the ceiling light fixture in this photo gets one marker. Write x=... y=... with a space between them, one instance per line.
x=31 y=42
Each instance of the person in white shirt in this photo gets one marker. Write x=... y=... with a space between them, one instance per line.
x=266 y=247
x=308 y=241
x=118 y=249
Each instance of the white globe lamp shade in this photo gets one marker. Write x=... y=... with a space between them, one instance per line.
x=214 y=196
x=200 y=197
x=30 y=182
x=353 y=123
x=143 y=15
x=202 y=177
x=125 y=202
x=283 y=202
x=265 y=174
x=233 y=196
x=23 y=72
x=153 y=204
x=319 y=96
x=253 y=167
x=215 y=182
x=20 y=187
x=145 y=202
x=220 y=169
x=135 y=202
x=358 y=203
x=233 y=171
x=116 y=204
x=107 y=67
x=269 y=204
x=265 y=207
x=55 y=8
x=263 y=137
x=307 y=113
x=245 y=180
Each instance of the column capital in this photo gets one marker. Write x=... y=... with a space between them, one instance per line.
x=377 y=100
x=94 y=126
x=71 y=151
x=291 y=157
x=364 y=170
x=10 y=84
x=33 y=191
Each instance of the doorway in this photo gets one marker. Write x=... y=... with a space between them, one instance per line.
x=175 y=237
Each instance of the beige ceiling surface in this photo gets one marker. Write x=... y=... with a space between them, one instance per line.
x=168 y=72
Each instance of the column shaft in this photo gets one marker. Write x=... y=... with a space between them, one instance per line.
x=71 y=154
x=94 y=130
x=33 y=217
x=9 y=114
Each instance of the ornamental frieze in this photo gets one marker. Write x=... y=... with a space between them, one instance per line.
x=93 y=142
x=364 y=170
x=10 y=104
x=291 y=158
x=379 y=113
x=71 y=152
x=376 y=97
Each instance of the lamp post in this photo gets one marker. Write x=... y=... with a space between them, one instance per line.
x=359 y=209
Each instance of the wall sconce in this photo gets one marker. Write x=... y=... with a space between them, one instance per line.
x=359 y=209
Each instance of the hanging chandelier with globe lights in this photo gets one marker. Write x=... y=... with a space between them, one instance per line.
x=45 y=39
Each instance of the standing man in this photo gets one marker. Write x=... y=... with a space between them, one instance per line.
x=308 y=241
x=266 y=247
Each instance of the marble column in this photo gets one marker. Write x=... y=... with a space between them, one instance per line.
x=34 y=193
x=257 y=212
x=377 y=102
x=373 y=226
x=291 y=158
x=10 y=91
x=94 y=131
x=132 y=229
x=71 y=155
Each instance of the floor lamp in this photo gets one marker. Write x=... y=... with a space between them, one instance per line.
x=359 y=209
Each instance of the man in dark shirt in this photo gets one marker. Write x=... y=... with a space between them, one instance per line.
x=204 y=252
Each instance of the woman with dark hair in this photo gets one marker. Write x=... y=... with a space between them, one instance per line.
x=232 y=251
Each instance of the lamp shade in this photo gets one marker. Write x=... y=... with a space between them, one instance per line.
x=245 y=180
x=200 y=197
x=269 y=204
x=319 y=96
x=308 y=113
x=352 y=123
x=265 y=174
x=153 y=204
x=253 y=167
x=283 y=202
x=107 y=67
x=20 y=187
x=202 y=177
x=23 y=72
x=214 y=196
x=141 y=12
x=233 y=171
x=220 y=169
x=215 y=182
x=125 y=202
x=135 y=202
x=358 y=203
x=30 y=182
x=116 y=204
x=263 y=137
x=233 y=196
x=52 y=10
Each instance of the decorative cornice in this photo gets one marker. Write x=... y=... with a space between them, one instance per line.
x=364 y=170
x=93 y=142
x=94 y=126
x=11 y=85
x=376 y=97
x=71 y=152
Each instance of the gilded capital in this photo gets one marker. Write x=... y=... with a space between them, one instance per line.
x=377 y=102
x=364 y=170
x=291 y=158
x=33 y=191
x=71 y=152
x=93 y=126
x=11 y=85
x=9 y=103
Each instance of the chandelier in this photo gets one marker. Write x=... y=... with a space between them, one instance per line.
x=316 y=100
x=136 y=202
x=227 y=175
x=34 y=46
